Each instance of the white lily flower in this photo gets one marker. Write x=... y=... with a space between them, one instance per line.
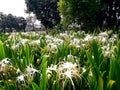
x=21 y=79
x=104 y=34
x=88 y=37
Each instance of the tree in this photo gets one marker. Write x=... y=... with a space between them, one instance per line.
x=3 y=21
x=79 y=11
x=91 y=13
x=45 y=10
x=11 y=22
x=112 y=13
x=21 y=23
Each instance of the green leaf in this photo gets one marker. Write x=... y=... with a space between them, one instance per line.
x=43 y=83
x=114 y=73
x=35 y=86
x=100 y=83
x=2 y=51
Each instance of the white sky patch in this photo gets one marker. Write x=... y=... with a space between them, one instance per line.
x=15 y=7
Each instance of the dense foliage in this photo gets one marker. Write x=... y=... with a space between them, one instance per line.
x=80 y=12
x=63 y=61
x=111 y=13
x=45 y=10
x=11 y=22
x=90 y=13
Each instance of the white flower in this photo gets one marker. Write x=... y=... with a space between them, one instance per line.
x=34 y=42
x=83 y=69
x=49 y=37
x=69 y=75
x=64 y=35
x=51 y=68
x=104 y=47
x=5 y=65
x=115 y=36
x=18 y=71
x=58 y=41
x=28 y=74
x=14 y=47
x=6 y=61
x=24 y=41
x=68 y=70
x=103 y=39
x=68 y=65
x=83 y=45
x=30 y=70
x=6 y=33
x=21 y=78
x=88 y=37
x=52 y=47
x=104 y=34
x=75 y=42
x=13 y=35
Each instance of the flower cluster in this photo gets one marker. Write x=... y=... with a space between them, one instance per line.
x=28 y=75
x=66 y=70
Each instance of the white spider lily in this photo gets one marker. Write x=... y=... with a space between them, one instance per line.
x=21 y=79
x=114 y=36
x=49 y=37
x=58 y=41
x=88 y=37
x=69 y=75
x=52 y=47
x=34 y=42
x=30 y=72
x=5 y=65
x=51 y=68
x=68 y=65
x=13 y=35
x=18 y=71
x=64 y=35
x=15 y=47
x=104 y=34
x=83 y=69
x=104 y=39
x=6 y=61
x=68 y=70
x=75 y=42
x=28 y=75
x=24 y=41
x=65 y=70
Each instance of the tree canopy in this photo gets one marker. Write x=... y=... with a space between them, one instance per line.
x=45 y=10
x=90 y=13
x=111 y=13
x=11 y=22
x=80 y=12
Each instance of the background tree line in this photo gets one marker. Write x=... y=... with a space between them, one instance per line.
x=90 y=14
x=10 y=22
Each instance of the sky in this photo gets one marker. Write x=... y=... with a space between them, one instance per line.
x=15 y=7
